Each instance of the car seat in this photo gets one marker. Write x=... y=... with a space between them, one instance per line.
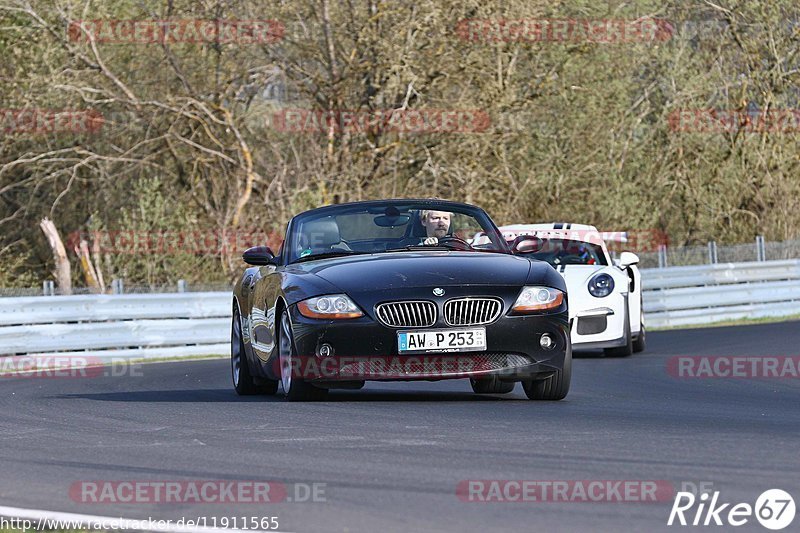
x=323 y=236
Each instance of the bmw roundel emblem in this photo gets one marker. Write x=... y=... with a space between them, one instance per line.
x=438 y=292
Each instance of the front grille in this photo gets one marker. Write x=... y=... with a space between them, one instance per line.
x=471 y=311
x=412 y=314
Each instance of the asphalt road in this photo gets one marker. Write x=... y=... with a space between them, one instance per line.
x=392 y=455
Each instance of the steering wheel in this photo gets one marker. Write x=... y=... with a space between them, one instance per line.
x=568 y=259
x=342 y=245
x=460 y=244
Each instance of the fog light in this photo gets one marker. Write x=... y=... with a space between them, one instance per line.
x=547 y=342
x=325 y=350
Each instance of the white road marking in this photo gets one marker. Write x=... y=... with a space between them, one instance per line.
x=310 y=439
x=411 y=442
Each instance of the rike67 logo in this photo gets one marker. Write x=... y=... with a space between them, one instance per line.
x=774 y=509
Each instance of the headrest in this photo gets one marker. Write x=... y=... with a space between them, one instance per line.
x=322 y=233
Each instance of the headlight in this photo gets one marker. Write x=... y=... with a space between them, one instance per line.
x=601 y=285
x=537 y=299
x=327 y=307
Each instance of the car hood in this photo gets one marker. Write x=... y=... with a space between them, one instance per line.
x=578 y=273
x=418 y=269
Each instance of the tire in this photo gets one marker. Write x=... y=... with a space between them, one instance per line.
x=243 y=382
x=491 y=385
x=295 y=389
x=553 y=388
x=640 y=343
x=627 y=349
x=268 y=387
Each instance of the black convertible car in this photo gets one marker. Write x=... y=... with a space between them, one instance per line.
x=398 y=290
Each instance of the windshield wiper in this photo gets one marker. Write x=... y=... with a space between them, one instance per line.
x=325 y=255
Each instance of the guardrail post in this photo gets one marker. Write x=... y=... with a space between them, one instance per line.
x=761 y=248
x=712 y=253
x=181 y=285
x=117 y=286
x=662 y=256
x=48 y=288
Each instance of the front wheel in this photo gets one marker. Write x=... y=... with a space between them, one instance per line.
x=240 y=370
x=641 y=341
x=491 y=385
x=626 y=349
x=295 y=388
x=553 y=388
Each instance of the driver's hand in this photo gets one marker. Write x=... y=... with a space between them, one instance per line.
x=430 y=241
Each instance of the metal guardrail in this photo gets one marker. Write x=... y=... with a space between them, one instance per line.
x=124 y=325
x=691 y=295
x=186 y=324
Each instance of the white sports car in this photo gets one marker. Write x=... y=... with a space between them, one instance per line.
x=605 y=298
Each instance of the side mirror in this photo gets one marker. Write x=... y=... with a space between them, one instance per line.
x=259 y=256
x=627 y=259
x=525 y=244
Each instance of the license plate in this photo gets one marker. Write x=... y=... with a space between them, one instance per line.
x=442 y=340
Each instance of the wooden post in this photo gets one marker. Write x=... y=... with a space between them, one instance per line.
x=62 y=272
x=89 y=272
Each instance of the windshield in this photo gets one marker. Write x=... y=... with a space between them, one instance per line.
x=569 y=252
x=377 y=227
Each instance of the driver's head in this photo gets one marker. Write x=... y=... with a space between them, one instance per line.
x=437 y=223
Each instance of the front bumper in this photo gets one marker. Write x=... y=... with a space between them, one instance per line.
x=599 y=326
x=366 y=350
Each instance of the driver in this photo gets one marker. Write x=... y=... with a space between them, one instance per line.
x=436 y=223
x=575 y=249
